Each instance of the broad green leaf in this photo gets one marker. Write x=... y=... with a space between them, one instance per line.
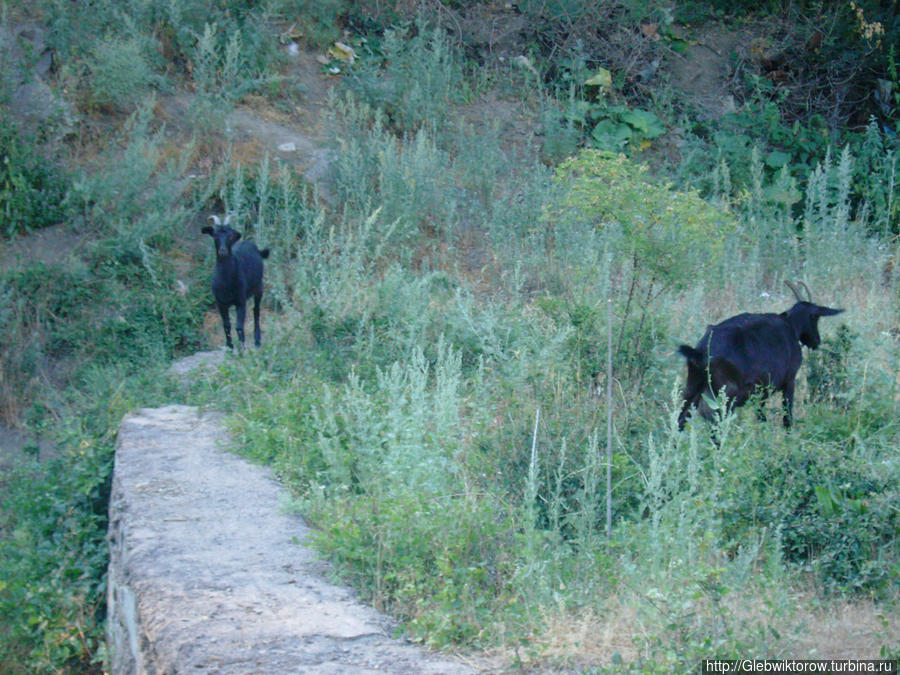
x=602 y=78
x=609 y=135
x=777 y=159
x=780 y=194
x=646 y=122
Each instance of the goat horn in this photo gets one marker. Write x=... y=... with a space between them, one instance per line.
x=794 y=289
x=808 y=293
x=214 y=220
x=227 y=218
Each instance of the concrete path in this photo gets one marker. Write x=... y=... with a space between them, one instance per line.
x=208 y=574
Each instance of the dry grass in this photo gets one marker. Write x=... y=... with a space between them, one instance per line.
x=844 y=629
x=779 y=622
x=592 y=637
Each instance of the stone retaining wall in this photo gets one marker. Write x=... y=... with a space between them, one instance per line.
x=209 y=574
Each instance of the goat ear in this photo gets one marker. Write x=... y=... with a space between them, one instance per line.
x=827 y=311
x=237 y=235
x=206 y=229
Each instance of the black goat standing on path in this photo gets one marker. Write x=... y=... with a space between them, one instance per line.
x=237 y=277
x=749 y=353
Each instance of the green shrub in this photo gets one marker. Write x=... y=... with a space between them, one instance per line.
x=672 y=236
x=120 y=73
x=177 y=25
x=54 y=558
x=833 y=512
x=414 y=77
x=828 y=368
x=135 y=199
x=32 y=189
x=53 y=518
x=222 y=75
x=661 y=239
x=408 y=180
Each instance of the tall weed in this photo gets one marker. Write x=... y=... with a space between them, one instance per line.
x=135 y=198
x=120 y=72
x=408 y=180
x=221 y=78
x=414 y=77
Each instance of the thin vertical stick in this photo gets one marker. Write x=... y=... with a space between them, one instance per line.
x=609 y=387
x=532 y=483
x=531 y=468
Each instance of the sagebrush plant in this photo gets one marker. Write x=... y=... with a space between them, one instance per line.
x=175 y=26
x=134 y=201
x=366 y=451
x=407 y=180
x=121 y=72
x=217 y=74
x=414 y=75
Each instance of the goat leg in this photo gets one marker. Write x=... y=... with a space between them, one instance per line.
x=685 y=413
x=226 y=323
x=241 y=316
x=787 y=394
x=693 y=390
x=257 y=333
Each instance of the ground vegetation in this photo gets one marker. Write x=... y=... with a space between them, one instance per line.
x=469 y=378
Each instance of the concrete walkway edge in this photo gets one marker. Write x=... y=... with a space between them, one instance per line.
x=209 y=574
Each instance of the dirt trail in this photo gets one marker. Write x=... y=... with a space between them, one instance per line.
x=209 y=574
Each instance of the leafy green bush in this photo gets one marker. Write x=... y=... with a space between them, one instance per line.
x=673 y=236
x=663 y=239
x=828 y=368
x=53 y=517
x=32 y=189
x=54 y=559
x=413 y=76
x=612 y=127
x=120 y=73
x=833 y=512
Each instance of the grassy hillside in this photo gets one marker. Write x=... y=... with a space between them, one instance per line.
x=507 y=220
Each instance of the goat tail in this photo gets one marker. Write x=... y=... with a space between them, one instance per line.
x=264 y=253
x=693 y=356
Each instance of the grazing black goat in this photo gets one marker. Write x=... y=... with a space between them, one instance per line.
x=237 y=277
x=749 y=353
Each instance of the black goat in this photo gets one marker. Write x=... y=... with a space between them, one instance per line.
x=749 y=353
x=237 y=277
